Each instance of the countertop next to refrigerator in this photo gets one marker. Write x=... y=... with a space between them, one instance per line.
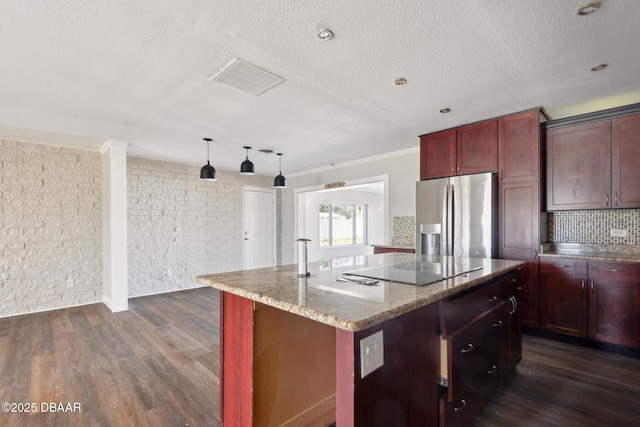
x=613 y=253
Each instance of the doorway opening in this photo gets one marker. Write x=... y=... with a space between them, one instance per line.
x=343 y=221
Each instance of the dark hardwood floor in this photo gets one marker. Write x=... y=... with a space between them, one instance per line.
x=565 y=385
x=158 y=365
x=153 y=365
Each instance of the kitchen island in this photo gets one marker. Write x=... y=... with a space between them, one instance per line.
x=291 y=347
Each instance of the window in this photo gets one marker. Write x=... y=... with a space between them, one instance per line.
x=342 y=224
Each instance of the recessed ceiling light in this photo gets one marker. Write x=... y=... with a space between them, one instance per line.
x=445 y=110
x=325 y=34
x=400 y=81
x=599 y=67
x=588 y=9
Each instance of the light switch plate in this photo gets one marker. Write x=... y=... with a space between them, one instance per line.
x=617 y=232
x=371 y=353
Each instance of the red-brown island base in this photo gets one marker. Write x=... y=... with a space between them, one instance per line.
x=284 y=369
x=403 y=392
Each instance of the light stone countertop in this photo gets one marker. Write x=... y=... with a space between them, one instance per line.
x=343 y=305
x=613 y=253
x=396 y=246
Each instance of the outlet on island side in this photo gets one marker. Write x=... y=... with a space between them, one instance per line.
x=371 y=353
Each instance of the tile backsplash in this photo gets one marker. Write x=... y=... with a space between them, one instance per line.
x=404 y=230
x=594 y=226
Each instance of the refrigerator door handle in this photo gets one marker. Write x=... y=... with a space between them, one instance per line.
x=450 y=195
x=444 y=238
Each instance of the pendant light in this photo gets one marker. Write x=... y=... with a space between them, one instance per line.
x=246 y=168
x=208 y=172
x=280 y=181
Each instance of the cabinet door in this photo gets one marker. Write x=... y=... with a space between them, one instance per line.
x=625 y=159
x=515 y=331
x=614 y=312
x=579 y=167
x=563 y=304
x=519 y=147
x=518 y=220
x=529 y=295
x=477 y=148
x=438 y=154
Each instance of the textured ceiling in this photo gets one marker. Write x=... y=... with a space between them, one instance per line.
x=79 y=72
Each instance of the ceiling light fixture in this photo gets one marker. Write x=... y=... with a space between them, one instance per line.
x=325 y=34
x=208 y=172
x=280 y=181
x=246 y=168
x=400 y=81
x=445 y=110
x=588 y=9
x=599 y=67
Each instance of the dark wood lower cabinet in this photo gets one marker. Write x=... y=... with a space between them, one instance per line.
x=563 y=304
x=483 y=336
x=602 y=305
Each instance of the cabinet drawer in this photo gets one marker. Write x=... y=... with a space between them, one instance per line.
x=460 y=310
x=614 y=271
x=474 y=355
x=563 y=266
x=510 y=283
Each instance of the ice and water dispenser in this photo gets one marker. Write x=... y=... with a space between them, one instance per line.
x=430 y=239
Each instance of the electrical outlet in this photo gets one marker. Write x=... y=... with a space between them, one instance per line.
x=69 y=282
x=618 y=232
x=371 y=353
x=169 y=272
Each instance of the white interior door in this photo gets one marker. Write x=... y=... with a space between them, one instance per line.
x=259 y=205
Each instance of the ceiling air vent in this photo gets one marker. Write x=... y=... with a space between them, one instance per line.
x=246 y=77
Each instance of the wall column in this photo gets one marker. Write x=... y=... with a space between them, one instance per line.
x=114 y=225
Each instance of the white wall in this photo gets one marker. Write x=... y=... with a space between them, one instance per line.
x=51 y=235
x=181 y=227
x=403 y=169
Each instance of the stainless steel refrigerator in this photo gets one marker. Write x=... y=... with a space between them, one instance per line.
x=458 y=216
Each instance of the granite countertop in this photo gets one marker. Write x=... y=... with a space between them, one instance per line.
x=344 y=305
x=613 y=253
x=396 y=246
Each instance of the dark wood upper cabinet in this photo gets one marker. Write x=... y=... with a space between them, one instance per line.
x=438 y=154
x=519 y=147
x=461 y=151
x=579 y=167
x=594 y=165
x=625 y=160
x=477 y=148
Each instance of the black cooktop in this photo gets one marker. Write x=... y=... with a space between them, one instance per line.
x=420 y=272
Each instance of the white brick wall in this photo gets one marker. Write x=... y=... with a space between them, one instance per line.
x=182 y=224
x=51 y=235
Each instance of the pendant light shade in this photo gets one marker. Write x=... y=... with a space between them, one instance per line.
x=280 y=181
x=246 y=168
x=208 y=172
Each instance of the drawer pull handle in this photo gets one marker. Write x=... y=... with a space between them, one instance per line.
x=461 y=407
x=519 y=288
x=615 y=270
x=492 y=299
x=468 y=349
x=496 y=325
x=513 y=280
x=492 y=370
x=561 y=266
